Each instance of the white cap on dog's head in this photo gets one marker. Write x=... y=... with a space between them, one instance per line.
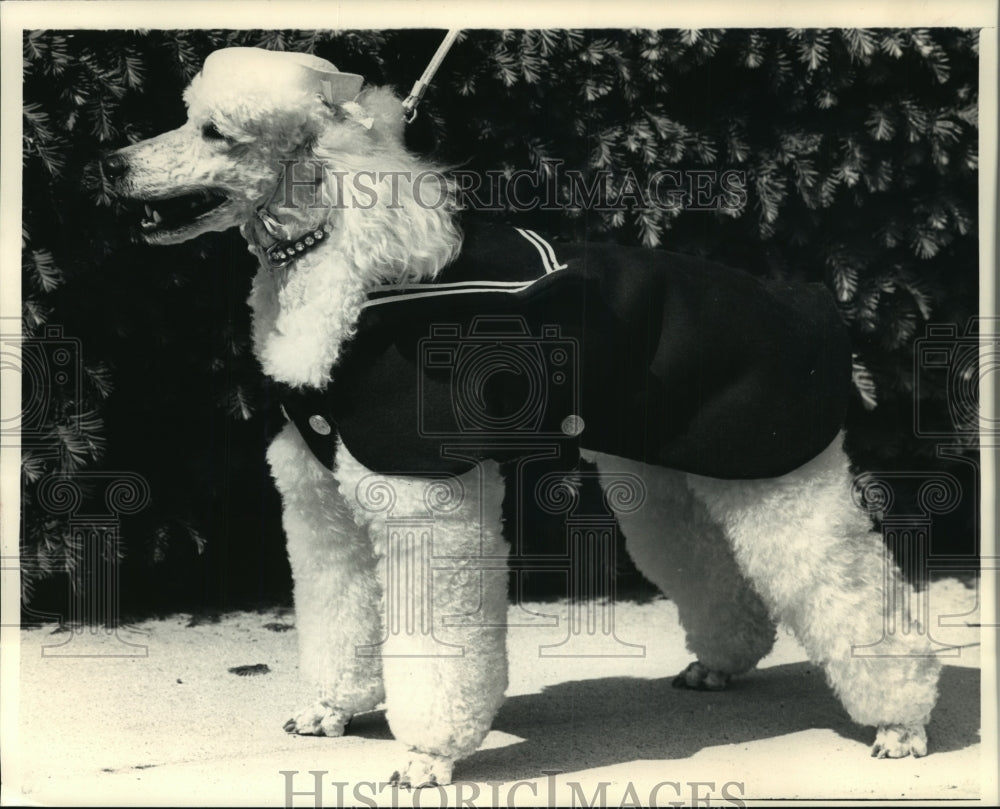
x=252 y=68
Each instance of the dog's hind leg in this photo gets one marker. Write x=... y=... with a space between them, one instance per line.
x=444 y=563
x=679 y=548
x=811 y=553
x=336 y=590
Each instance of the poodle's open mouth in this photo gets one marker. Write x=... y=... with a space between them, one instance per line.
x=163 y=216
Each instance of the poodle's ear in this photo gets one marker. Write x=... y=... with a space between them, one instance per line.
x=385 y=113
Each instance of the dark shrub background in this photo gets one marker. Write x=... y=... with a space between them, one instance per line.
x=859 y=152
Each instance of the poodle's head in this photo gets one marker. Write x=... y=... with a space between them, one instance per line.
x=253 y=116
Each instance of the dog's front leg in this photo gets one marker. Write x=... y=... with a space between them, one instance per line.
x=336 y=590
x=444 y=657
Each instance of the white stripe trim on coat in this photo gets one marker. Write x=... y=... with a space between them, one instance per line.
x=428 y=290
x=549 y=260
x=431 y=285
x=432 y=292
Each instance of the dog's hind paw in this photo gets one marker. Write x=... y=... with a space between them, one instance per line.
x=424 y=770
x=701 y=678
x=899 y=741
x=319 y=719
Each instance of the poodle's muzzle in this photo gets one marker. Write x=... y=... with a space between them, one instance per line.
x=165 y=215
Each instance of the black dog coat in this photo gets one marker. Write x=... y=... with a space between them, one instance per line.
x=518 y=348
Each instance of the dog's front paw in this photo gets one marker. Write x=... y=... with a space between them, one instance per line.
x=319 y=719
x=701 y=678
x=899 y=741
x=424 y=770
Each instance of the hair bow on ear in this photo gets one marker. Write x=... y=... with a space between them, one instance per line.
x=356 y=113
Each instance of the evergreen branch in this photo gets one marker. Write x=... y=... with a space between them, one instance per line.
x=864 y=383
x=752 y=52
x=879 y=123
x=238 y=404
x=921 y=298
x=813 y=46
x=34 y=315
x=892 y=44
x=34 y=466
x=861 y=44
x=42 y=270
x=924 y=243
x=101 y=379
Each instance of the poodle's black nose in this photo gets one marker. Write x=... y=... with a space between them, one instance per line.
x=114 y=166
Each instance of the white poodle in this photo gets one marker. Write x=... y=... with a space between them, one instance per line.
x=392 y=487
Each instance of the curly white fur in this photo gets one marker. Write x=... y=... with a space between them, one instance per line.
x=270 y=144
x=735 y=554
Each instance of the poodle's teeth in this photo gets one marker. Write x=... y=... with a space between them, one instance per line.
x=156 y=217
x=149 y=211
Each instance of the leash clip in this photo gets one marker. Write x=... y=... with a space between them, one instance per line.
x=420 y=85
x=271 y=224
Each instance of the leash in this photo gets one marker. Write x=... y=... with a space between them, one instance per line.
x=420 y=85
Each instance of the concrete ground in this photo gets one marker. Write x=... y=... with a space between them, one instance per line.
x=165 y=722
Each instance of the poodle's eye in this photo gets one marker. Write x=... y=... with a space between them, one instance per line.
x=211 y=132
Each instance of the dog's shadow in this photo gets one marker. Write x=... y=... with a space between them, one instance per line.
x=584 y=724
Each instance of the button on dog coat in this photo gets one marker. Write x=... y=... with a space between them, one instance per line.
x=520 y=347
